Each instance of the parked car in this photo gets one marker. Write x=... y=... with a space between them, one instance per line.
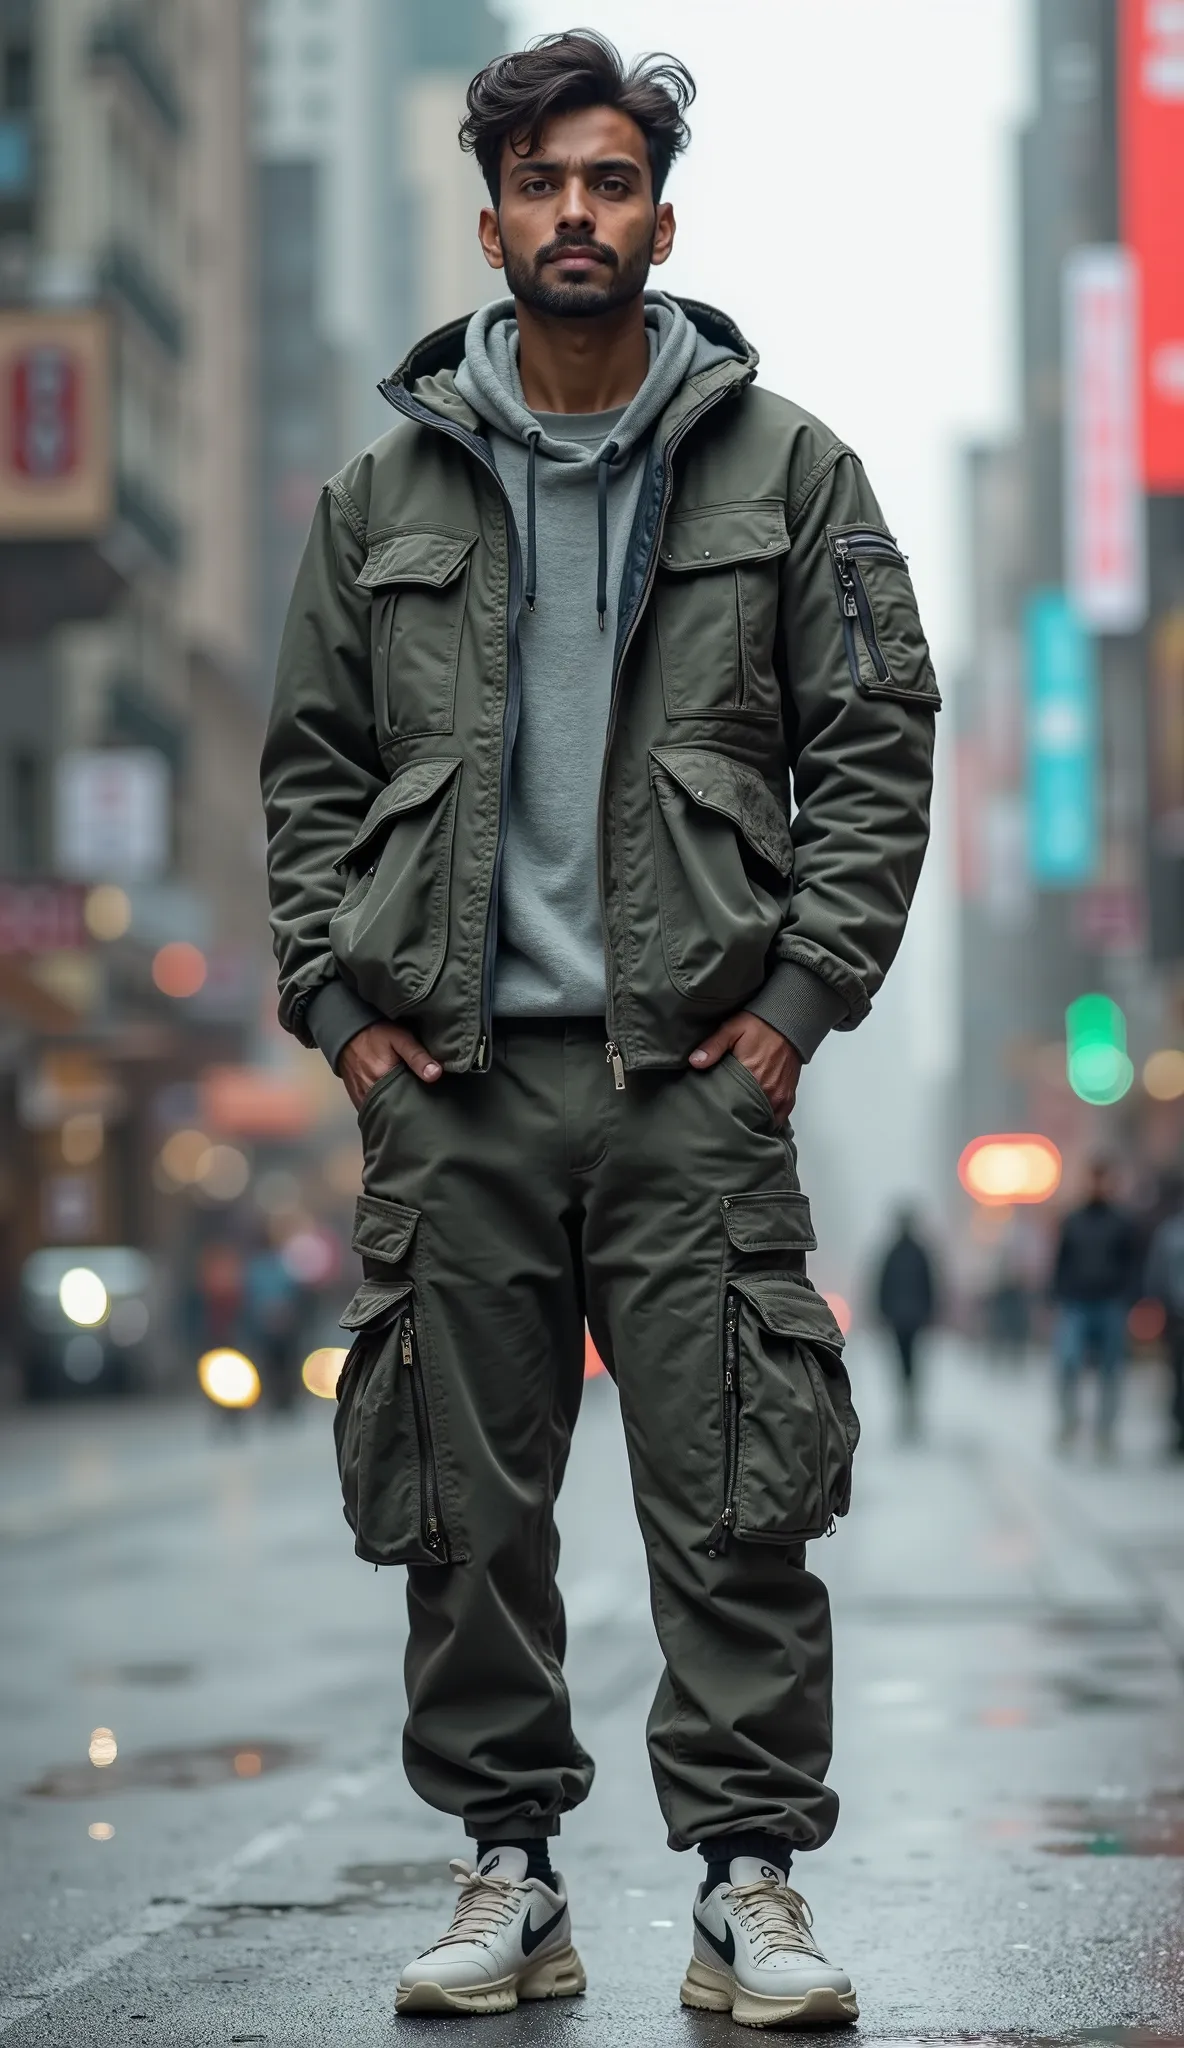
x=88 y=1318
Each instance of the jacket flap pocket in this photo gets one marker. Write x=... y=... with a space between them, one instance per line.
x=413 y=786
x=790 y=1307
x=433 y=558
x=383 y=1230
x=720 y=536
x=376 y=1303
x=769 y=1223
x=727 y=786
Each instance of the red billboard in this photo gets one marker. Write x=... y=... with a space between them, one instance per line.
x=1152 y=144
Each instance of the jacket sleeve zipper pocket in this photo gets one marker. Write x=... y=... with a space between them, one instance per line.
x=718 y=1540
x=857 y=604
x=429 y=1487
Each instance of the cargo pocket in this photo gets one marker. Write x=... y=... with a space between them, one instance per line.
x=390 y=930
x=715 y=608
x=722 y=862
x=789 y=1427
x=886 y=648
x=385 y=1449
x=419 y=584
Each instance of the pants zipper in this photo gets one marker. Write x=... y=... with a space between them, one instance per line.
x=717 y=1542
x=431 y=1518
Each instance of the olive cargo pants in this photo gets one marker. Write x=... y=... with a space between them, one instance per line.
x=500 y=1210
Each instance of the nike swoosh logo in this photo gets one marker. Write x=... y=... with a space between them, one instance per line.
x=726 y=1949
x=532 y=1936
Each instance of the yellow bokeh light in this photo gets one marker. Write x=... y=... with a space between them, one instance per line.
x=1163 y=1075
x=998 y=1171
x=100 y=1831
x=228 y=1379
x=82 y=1137
x=182 y=1154
x=247 y=1763
x=102 y=1748
x=83 y=1297
x=322 y=1370
x=223 y=1172
x=107 y=911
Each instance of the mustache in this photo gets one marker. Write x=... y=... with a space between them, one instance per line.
x=551 y=250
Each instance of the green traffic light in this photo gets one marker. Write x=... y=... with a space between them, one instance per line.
x=1097 y=1064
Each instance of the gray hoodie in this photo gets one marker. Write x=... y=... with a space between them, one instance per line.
x=573 y=482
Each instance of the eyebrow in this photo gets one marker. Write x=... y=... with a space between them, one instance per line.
x=531 y=165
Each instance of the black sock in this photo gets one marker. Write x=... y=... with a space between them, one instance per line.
x=718 y=1854
x=537 y=1852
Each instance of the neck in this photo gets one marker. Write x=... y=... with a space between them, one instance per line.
x=582 y=365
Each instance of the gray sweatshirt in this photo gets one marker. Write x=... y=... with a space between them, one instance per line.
x=550 y=960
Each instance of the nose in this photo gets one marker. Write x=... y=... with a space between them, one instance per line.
x=575 y=208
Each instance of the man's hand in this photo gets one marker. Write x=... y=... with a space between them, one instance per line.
x=770 y=1058
x=378 y=1050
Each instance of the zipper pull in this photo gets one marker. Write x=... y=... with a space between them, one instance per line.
x=847 y=580
x=717 y=1542
x=433 y=1533
x=614 y=1060
x=482 y=1053
x=406 y=1347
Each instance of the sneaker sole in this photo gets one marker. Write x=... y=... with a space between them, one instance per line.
x=560 y=1976
x=708 y=1990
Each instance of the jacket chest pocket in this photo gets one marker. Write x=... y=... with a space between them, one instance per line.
x=419 y=584
x=716 y=605
x=390 y=930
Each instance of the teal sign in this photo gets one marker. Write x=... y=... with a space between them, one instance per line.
x=1062 y=694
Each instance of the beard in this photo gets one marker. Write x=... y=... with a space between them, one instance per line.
x=577 y=300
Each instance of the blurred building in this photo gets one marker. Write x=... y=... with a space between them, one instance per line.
x=368 y=218
x=129 y=692
x=1071 y=714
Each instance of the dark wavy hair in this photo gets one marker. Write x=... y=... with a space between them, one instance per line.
x=514 y=96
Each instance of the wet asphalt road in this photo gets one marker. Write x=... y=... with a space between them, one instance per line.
x=1009 y=1740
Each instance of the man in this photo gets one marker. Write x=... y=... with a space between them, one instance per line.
x=1095 y=1277
x=1164 y=1281
x=905 y=1297
x=559 y=642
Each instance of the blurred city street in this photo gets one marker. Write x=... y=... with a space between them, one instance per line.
x=251 y=1867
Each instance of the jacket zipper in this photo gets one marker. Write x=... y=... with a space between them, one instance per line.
x=404 y=403
x=718 y=1540
x=430 y=1515
x=856 y=602
x=625 y=631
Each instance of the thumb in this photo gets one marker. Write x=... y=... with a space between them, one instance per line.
x=721 y=1041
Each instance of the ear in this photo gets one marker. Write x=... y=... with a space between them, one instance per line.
x=489 y=235
x=663 y=231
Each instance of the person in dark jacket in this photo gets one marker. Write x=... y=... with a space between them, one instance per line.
x=1095 y=1279
x=906 y=1298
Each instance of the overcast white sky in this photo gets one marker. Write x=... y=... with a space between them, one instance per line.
x=847 y=199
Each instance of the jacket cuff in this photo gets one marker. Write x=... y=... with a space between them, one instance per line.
x=334 y=1014
x=798 y=1005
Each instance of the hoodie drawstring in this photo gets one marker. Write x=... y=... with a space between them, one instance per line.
x=532 y=574
x=608 y=456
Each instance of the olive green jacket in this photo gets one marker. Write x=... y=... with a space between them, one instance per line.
x=768 y=643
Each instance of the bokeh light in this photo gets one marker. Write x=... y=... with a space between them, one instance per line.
x=82 y=1137
x=247 y=1763
x=107 y=911
x=1147 y=1320
x=322 y=1370
x=223 y=1173
x=310 y=1256
x=1163 y=1075
x=101 y=1831
x=83 y=1297
x=228 y=1379
x=840 y=1309
x=593 y=1363
x=179 y=969
x=102 y=1748
x=1019 y=1167
x=181 y=1156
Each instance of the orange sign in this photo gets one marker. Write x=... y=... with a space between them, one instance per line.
x=253 y=1102
x=55 y=424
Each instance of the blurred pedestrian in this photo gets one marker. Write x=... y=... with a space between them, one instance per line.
x=1094 y=1281
x=272 y=1316
x=906 y=1297
x=1164 y=1281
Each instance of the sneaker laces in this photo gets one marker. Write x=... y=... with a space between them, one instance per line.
x=484 y=1905
x=777 y=1918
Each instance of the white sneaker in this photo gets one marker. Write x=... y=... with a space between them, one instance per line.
x=510 y=1938
x=754 y=1955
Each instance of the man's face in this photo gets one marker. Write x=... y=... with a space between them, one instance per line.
x=577 y=228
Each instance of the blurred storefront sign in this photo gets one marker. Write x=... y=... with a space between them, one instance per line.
x=55 y=424
x=1152 y=143
x=1062 y=726
x=41 y=917
x=1105 y=523
x=254 y=1102
x=67 y=1083
x=112 y=813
